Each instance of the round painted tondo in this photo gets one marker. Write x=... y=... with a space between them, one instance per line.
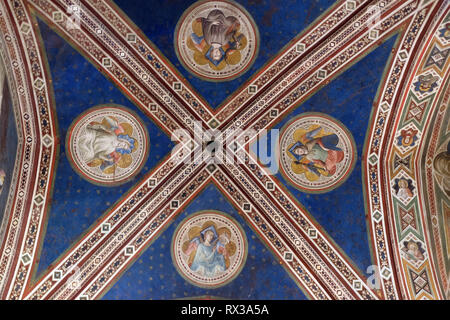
x=209 y=249
x=317 y=152
x=216 y=40
x=107 y=145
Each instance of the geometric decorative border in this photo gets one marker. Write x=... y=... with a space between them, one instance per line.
x=132 y=119
x=306 y=64
x=237 y=233
x=347 y=141
x=409 y=226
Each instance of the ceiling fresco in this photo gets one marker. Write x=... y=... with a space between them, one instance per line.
x=228 y=149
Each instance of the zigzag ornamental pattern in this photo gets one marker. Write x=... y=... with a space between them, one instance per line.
x=115 y=47
x=390 y=93
x=114 y=261
x=420 y=282
x=407 y=218
x=402 y=161
x=436 y=135
x=437 y=57
x=411 y=246
x=39 y=142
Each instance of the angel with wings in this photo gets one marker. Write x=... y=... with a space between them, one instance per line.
x=210 y=251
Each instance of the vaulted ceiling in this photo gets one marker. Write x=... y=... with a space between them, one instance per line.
x=104 y=169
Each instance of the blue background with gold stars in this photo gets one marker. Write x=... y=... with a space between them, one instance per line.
x=278 y=21
x=153 y=275
x=76 y=204
x=349 y=99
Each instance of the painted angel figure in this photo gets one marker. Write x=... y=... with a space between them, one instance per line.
x=217 y=40
x=319 y=155
x=107 y=142
x=210 y=252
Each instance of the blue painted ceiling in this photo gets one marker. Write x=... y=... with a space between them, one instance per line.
x=348 y=98
x=8 y=144
x=278 y=21
x=153 y=275
x=76 y=204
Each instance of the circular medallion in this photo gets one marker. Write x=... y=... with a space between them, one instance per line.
x=209 y=249
x=216 y=40
x=317 y=152
x=107 y=145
